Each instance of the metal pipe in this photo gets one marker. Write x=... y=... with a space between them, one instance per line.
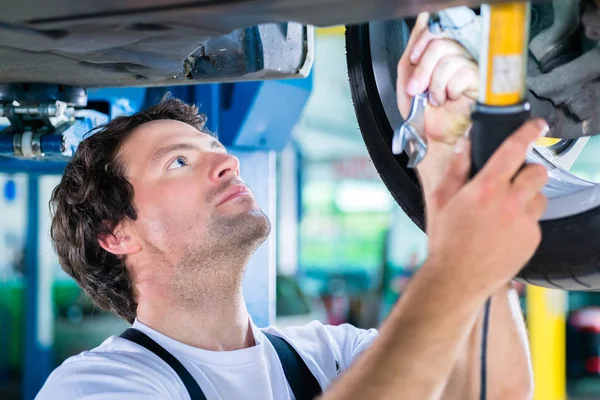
x=52 y=144
x=40 y=145
x=46 y=109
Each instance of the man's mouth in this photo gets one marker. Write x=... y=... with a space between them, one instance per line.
x=234 y=192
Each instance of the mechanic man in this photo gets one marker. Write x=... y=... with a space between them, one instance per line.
x=154 y=223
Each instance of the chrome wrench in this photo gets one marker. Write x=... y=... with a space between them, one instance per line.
x=410 y=138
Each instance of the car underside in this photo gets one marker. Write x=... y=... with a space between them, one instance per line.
x=153 y=42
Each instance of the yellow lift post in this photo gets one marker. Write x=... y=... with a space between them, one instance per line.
x=546 y=321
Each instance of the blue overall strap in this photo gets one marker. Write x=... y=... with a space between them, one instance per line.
x=303 y=383
x=188 y=380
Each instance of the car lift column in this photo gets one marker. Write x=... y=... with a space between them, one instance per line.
x=39 y=316
x=502 y=109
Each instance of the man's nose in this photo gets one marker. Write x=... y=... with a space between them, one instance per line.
x=226 y=167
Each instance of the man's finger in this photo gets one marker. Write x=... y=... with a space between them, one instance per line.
x=421 y=28
x=510 y=157
x=443 y=72
x=436 y=50
x=529 y=182
x=422 y=40
x=457 y=174
x=464 y=82
x=405 y=68
x=537 y=207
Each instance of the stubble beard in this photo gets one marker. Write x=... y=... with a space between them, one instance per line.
x=213 y=267
x=241 y=233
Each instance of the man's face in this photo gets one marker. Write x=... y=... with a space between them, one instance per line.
x=191 y=204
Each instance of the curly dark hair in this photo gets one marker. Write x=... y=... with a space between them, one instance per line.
x=94 y=196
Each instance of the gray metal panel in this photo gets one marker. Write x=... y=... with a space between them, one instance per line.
x=93 y=56
x=149 y=42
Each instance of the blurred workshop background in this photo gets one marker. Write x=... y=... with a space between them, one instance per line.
x=345 y=251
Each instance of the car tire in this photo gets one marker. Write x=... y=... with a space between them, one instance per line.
x=569 y=255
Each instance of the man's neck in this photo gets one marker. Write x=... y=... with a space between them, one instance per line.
x=211 y=318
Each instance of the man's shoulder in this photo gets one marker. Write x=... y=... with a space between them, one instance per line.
x=335 y=346
x=115 y=366
x=113 y=351
x=317 y=331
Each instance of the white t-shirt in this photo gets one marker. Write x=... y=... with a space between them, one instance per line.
x=120 y=369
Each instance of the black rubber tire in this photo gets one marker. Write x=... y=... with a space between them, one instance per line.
x=569 y=256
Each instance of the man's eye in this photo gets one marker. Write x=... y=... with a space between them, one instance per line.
x=178 y=163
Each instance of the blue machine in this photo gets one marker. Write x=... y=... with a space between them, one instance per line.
x=253 y=119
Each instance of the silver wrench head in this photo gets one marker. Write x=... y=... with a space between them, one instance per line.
x=408 y=138
x=414 y=146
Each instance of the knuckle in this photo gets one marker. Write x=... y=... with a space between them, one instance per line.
x=542 y=203
x=485 y=191
x=437 y=198
x=455 y=88
x=454 y=62
x=446 y=62
x=471 y=67
x=419 y=72
x=514 y=146
x=441 y=45
x=437 y=95
x=529 y=132
x=524 y=176
x=470 y=72
x=442 y=70
x=457 y=48
x=535 y=175
x=438 y=47
x=436 y=85
x=511 y=206
x=542 y=173
x=522 y=192
x=535 y=169
x=452 y=89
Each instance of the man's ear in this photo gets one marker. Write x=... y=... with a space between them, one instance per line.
x=120 y=242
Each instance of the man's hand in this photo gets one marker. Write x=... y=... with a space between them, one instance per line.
x=481 y=232
x=445 y=68
x=484 y=231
